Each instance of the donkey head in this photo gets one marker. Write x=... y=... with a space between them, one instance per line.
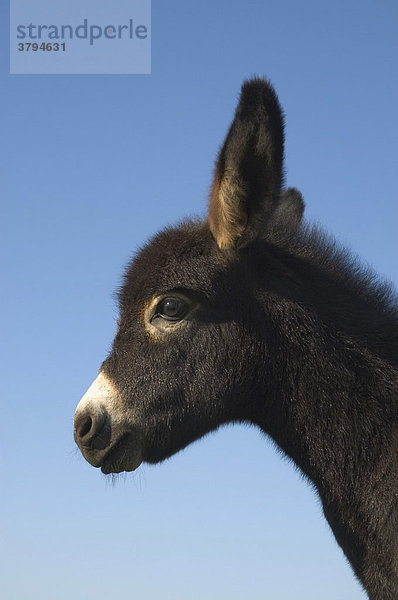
x=193 y=338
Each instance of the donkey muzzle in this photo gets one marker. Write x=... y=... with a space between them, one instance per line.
x=101 y=431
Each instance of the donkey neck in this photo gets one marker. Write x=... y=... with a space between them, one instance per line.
x=329 y=403
x=309 y=270
x=331 y=335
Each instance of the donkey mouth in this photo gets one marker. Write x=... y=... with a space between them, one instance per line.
x=124 y=455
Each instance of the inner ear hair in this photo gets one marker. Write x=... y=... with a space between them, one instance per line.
x=227 y=214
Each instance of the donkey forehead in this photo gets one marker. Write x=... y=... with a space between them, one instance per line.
x=182 y=257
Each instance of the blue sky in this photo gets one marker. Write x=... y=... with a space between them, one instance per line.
x=91 y=166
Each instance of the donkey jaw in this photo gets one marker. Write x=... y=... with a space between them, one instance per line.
x=104 y=437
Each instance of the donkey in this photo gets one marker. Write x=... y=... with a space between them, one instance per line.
x=252 y=316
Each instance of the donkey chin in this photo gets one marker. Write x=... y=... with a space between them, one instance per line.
x=104 y=437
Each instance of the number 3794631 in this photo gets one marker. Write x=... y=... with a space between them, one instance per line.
x=44 y=47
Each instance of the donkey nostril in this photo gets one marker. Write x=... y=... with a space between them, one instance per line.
x=85 y=427
x=93 y=431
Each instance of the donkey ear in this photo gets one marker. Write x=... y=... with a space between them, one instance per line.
x=248 y=175
x=289 y=210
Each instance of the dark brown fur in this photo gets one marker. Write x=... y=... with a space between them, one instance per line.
x=283 y=330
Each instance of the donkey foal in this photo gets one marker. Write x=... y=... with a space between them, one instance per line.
x=250 y=316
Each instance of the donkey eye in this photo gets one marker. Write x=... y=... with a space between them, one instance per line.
x=171 y=309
